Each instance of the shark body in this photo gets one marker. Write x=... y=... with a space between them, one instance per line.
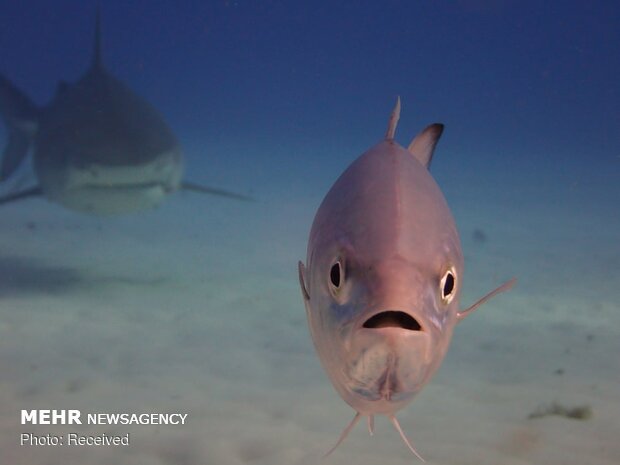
x=97 y=147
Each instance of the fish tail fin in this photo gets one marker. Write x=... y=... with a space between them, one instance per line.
x=423 y=145
x=344 y=434
x=404 y=438
x=20 y=116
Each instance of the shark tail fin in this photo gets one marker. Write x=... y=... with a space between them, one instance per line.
x=32 y=192
x=20 y=116
x=189 y=186
x=404 y=438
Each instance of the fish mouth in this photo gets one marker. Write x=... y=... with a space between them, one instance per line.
x=393 y=319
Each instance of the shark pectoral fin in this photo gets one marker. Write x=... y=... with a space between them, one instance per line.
x=32 y=192
x=345 y=433
x=404 y=438
x=302 y=280
x=188 y=186
x=423 y=145
x=504 y=287
x=15 y=151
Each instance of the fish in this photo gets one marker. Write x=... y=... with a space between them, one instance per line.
x=97 y=147
x=383 y=278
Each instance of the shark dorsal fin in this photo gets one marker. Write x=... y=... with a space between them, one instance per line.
x=97 y=63
x=391 y=130
x=423 y=145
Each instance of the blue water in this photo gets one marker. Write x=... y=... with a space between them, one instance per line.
x=195 y=306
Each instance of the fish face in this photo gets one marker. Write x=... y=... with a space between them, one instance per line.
x=381 y=327
x=383 y=278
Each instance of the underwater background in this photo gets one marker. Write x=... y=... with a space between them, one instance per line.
x=195 y=307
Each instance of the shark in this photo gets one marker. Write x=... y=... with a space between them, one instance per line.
x=97 y=147
x=383 y=278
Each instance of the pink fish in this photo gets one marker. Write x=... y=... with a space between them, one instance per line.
x=383 y=278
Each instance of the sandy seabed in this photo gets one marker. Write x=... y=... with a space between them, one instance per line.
x=195 y=308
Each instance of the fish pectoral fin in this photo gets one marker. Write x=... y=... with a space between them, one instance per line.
x=504 y=287
x=345 y=433
x=423 y=145
x=404 y=438
x=302 y=280
x=188 y=186
x=32 y=192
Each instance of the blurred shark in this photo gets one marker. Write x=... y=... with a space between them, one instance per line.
x=383 y=278
x=97 y=147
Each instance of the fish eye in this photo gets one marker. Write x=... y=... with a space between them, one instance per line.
x=335 y=275
x=448 y=286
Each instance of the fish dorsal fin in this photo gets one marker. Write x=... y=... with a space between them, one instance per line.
x=97 y=63
x=391 y=130
x=423 y=145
